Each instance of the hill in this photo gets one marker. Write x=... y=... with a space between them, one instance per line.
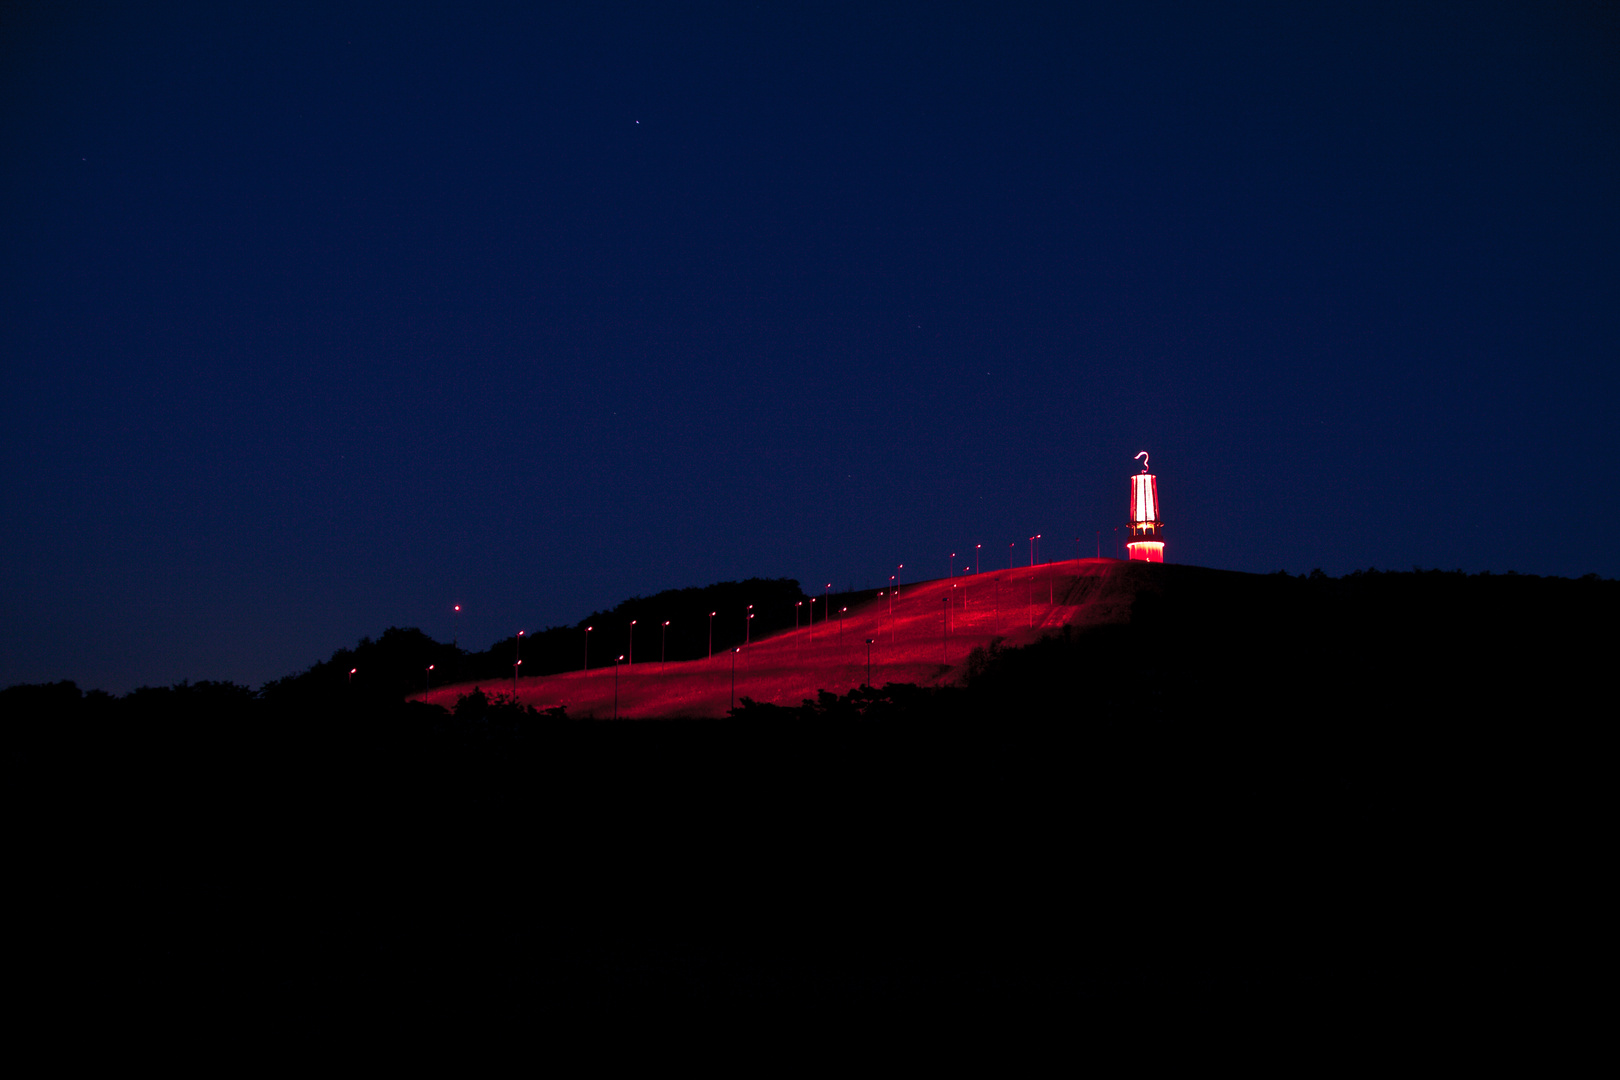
x=1187 y=788
x=921 y=633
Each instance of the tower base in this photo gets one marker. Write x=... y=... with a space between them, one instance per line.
x=1146 y=550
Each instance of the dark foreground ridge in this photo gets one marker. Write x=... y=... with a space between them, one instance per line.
x=1295 y=790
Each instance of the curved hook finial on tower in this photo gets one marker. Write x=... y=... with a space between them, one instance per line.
x=1144 y=458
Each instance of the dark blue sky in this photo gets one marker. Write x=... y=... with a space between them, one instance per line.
x=320 y=319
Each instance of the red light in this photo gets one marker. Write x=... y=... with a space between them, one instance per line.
x=1146 y=550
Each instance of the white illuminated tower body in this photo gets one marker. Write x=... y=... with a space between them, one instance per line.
x=1147 y=531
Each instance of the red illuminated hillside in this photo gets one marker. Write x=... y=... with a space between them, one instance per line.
x=918 y=637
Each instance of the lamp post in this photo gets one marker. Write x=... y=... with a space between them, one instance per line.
x=588 y=630
x=869 y=661
x=632 y=646
x=950 y=571
x=517 y=657
x=797 y=604
x=663 y=642
x=515 y=665
x=841 y=624
x=734 y=653
x=826 y=611
x=976 y=549
x=429 y=684
x=455 y=634
x=748 y=627
x=897 y=570
x=351 y=675
x=616 y=662
x=711 y=635
x=812 y=621
x=1010 y=547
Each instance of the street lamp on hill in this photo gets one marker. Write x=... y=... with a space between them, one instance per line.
x=616 y=662
x=711 y=634
x=734 y=653
x=632 y=646
x=869 y=661
x=588 y=630
x=663 y=642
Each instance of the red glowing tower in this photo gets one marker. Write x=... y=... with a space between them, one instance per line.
x=1147 y=531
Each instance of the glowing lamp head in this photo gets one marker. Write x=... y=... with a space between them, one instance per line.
x=1144 y=498
x=1146 y=543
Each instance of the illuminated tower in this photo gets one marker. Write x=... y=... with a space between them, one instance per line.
x=1147 y=531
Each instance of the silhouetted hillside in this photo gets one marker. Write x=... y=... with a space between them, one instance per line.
x=1258 y=788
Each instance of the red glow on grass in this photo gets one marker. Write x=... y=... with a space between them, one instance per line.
x=907 y=632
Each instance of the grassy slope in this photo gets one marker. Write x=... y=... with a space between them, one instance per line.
x=911 y=645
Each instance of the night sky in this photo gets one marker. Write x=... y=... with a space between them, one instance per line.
x=320 y=319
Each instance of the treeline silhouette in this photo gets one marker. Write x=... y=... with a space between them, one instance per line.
x=1260 y=788
x=773 y=602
